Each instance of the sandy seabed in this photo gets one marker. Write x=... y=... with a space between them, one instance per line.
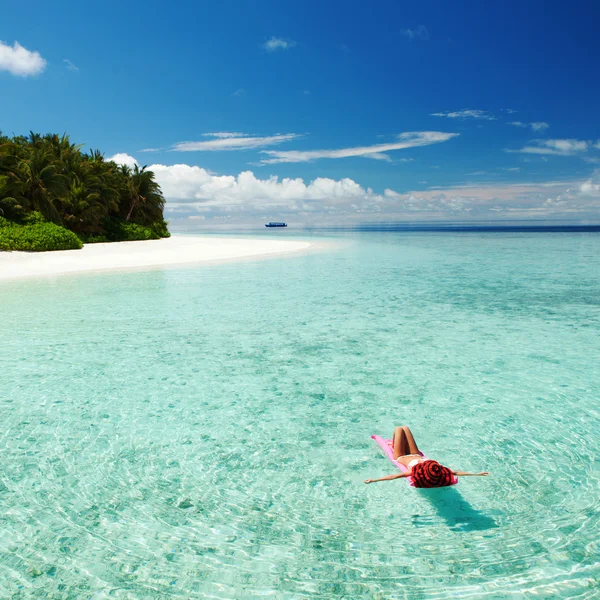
x=176 y=250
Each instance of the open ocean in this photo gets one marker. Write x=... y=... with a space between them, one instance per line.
x=204 y=432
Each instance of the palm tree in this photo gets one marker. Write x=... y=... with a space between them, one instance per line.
x=84 y=208
x=93 y=195
x=37 y=181
x=142 y=195
x=69 y=155
x=83 y=191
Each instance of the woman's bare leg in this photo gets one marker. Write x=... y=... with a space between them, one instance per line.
x=410 y=440
x=399 y=442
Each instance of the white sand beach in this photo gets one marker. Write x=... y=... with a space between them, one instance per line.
x=176 y=250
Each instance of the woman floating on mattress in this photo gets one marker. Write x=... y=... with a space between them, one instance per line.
x=424 y=473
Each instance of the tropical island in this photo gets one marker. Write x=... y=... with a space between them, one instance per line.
x=53 y=196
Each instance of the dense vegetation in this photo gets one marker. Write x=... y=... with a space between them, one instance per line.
x=53 y=196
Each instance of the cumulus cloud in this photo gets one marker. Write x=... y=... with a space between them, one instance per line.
x=466 y=113
x=418 y=33
x=123 y=159
x=232 y=141
x=411 y=139
x=535 y=126
x=245 y=198
x=559 y=147
x=192 y=191
x=276 y=43
x=196 y=186
x=19 y=61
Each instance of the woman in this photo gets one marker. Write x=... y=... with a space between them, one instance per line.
x=425 y=472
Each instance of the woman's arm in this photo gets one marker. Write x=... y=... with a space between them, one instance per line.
x=388 y=477
x=465 y=474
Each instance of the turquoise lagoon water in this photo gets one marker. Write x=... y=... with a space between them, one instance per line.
x=204 y=432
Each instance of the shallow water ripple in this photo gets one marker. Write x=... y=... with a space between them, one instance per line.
x=204 y=433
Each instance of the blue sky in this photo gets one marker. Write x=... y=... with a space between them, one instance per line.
x=329 y=112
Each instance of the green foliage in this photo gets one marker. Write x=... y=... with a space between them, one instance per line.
x=34 y=218
x=94 y=239
x=133 y=231
x=10 y=207
x=82 y=192
x=39 y=237
x=118 y=230
x=160 y=228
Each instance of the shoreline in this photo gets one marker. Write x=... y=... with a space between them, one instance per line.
x=178 y=250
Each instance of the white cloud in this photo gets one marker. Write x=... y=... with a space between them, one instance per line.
x=239 y=92
x=226 y=141
x=70 y=66
x=467 y=113
x=405 y=140
x=192 y=191
x=201 y=187
x=225 y=134
x=379 y=156
x=418 y=33
x=387 y=158
x=276 y=43
x=591 y=186
x=535 y=126
x=539 y=126
x=123 y=159
x=19 y=61
x=565 y=147
x=522 y=200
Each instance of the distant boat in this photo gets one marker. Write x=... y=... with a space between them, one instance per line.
x=275 y=224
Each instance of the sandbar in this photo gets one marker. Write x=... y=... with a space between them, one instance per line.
x=140 y=255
